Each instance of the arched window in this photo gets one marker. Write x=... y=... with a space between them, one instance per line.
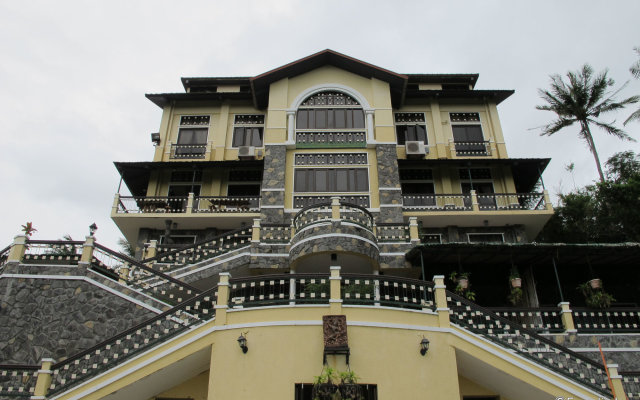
x=330 y=119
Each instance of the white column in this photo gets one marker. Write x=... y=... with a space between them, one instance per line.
x=370 y=138
x=291 y=126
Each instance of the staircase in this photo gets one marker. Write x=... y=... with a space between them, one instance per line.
x=528 y=344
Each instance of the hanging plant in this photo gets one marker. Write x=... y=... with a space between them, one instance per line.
x=463 y=285
x=323 y=386
x=349 y=388
x=514 y=278
x=595 y=298
x=515 y=296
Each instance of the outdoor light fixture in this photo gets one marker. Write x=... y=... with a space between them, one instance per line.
x=92 y=229
x=242 y=342
x=424 y=345
x=155 y=138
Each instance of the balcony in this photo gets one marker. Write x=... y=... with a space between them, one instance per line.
x=480 y=209
x=188 y=151
x=131 y=213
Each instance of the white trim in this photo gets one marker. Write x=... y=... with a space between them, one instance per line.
x=378 y=307
x=607 y=349
x=391 y=254
x=95 y=283
x=326 y=87
x=391 y=205
x=269 y=206
x=273 y=190
x=335 y=235
x=390 y=188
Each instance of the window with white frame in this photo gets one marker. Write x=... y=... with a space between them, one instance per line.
x=467 y=134
x=248 y=130
x=192 y=137
x=410 y=127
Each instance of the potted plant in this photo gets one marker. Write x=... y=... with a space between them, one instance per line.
x=323 y=386
x=515 y=296
x=514 y=278
x=349 y=388
x=595 y=283
x=595 y=298
x=462 y=285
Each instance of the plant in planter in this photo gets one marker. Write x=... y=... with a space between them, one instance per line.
x=349 y=388
x=462 y=285
x=595 y=297
x=323 y=386
x=515 y=296
x=514 y=278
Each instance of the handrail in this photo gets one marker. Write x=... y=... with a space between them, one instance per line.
x=54 y=242
x=196 y=244
x=521 y=332
x=139 y=264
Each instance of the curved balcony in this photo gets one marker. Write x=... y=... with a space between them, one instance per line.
x=334 y=227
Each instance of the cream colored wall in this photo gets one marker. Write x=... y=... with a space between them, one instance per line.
x=195 y=388
x=471 y=388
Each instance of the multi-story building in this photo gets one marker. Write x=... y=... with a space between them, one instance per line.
x=308 y=211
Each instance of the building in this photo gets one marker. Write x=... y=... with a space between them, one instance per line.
x=310 y=214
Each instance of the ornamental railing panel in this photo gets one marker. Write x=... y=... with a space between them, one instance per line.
x=541 y=320
x=331 y=139
x=472 y=149
x=616 y=320
x=436 y=202
x=356 y=214
x=18 y=380
x=117 y=266
x=279 y=290
x=312 y=215
x=53 y=251
x=387 y=291
x=528 y=344
x=391 y=233
x=133 y=341
x=226 y=204
x=305 y=201
x=275 y=233
x=152 y=204
x=202 y=250
x=511 y=201
x=631 y=384
x=188 y=151
x=4 y=256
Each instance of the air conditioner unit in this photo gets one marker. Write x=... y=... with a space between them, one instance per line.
x=246 y=152
x=415 y=149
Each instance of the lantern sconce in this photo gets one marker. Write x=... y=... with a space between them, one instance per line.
x=92 y=229
x=424 y=346
x=242 y=342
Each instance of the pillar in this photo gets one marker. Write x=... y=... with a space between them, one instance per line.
x=440 y=295
x=87 y=249
x=616 y=382
x=44 y=379
x=567 y=317
x=223 y=299
x=335 y=300
x=18 y=248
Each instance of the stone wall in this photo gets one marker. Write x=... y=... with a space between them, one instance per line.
x=272 y=195
x=388 y=177
x=623 y=350
x=58 y=318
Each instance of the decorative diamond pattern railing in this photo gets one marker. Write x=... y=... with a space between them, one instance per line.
x=4 y=255
x=528 y=344
x=53 y=251
x=610 y=320
x=117 y=266
x=278 y=290
x=275 y=233
x=18 y=380
x=133 y=341
x=311 y=215
x=541 y=320
x=201 y=251
x=387 y=291
x=393 y=233
x=631 y=384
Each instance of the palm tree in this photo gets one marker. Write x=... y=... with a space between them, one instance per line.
x=582 y=99
x=635 y=71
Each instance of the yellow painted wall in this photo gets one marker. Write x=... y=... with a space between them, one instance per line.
x=195 y=388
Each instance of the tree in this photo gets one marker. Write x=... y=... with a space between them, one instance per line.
x=606 y=212
x=635 y=71
x=581 y=100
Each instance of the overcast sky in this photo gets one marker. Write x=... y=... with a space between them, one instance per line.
x=73 y=76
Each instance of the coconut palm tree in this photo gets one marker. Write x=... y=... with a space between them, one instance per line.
x=582 y=99
x=635 y=71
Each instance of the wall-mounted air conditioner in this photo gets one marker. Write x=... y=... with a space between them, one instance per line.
x=246 y=152
x=415 y=148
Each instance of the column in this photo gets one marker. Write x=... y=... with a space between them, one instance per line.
x=567 y=317
x=223 y=299
x=335 y=300
x=440 y=295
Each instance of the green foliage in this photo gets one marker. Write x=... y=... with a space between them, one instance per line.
x=582 y=99
x=28 y=229
x=349 y=377
x=362 y=289
x=63 y=249
x=461 y=291
x=635 y=71
x=606 y=212
x=126 y=247
x=595 y=298
x=328 y=375
x=316 y=288
x=514 y=273
x=515 y=296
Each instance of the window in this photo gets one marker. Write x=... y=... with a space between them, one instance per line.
x=245 y=183
x=330 y=119
x=192 y=137
x=417 y=187
x=331 y=180
x=478 y=179
x=181 y=184
x=248 y=130
x=304 y=391
x=467 y=134
x=410 y=127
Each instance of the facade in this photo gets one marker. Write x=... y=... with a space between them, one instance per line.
x=311 y=215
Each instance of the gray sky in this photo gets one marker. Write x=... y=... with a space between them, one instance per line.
x=73 y=76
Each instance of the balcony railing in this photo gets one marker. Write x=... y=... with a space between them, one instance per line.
x=615 y=319
x=228 y=204
x=387 y=291
x=53 y=251
x=187 y=204
x=471 y=149
x=322 y=212
x=467 y=202
x=18 y=380
x=631 y=384
x=304 y=201
x=541 y=320
x=279 y=289
x=190 y=151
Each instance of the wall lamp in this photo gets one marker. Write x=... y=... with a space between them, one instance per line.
x=155 y=138
x=92 y=229
x=242 y=342
x=424 y=346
